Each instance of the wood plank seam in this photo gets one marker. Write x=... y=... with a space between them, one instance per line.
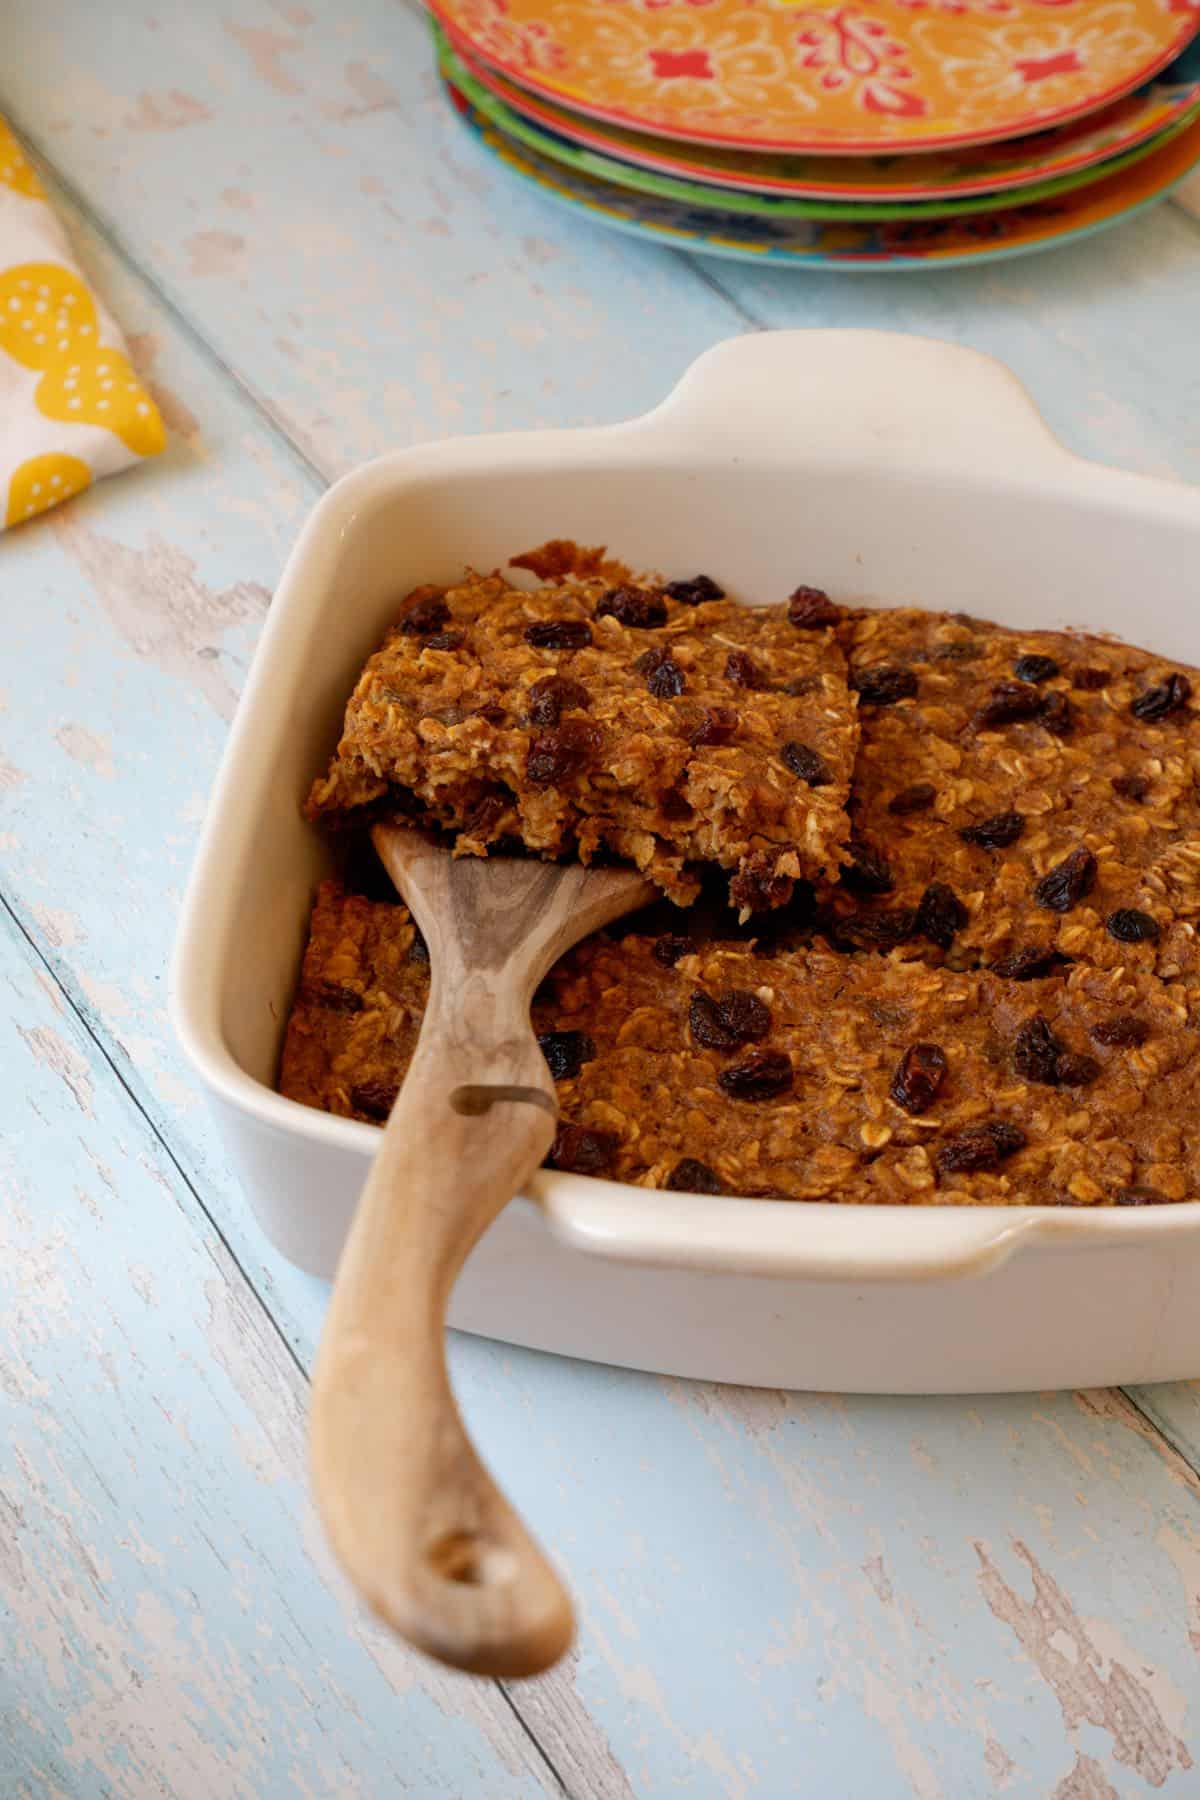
x=1160 y=1433
x=107 y=1050
x=88 y=1024
x=711 y=280
x=541 y=1749
x=107 y=230
x=1140 y=1419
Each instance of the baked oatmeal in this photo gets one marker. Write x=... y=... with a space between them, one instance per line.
x=812 y=1075
x=957 y=963
x=661 y=723
x=1020 y=797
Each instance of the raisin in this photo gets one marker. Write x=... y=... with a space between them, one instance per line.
x=706 y=1023
x=1140 y=1195
x=553 y=695
x=1009 y=702
x=1039 y=1056
x=554 y=756
x=1090 y=679
x=996 y=833
x=1122 y=1031
x=1075 y=1069
x=716 y=726
x=559 y=634
x=940 y=914
x=917 y=798
x=1027 y=965
x=739 y=1017
x=763 y=1075
x=332 y=997
x=445 y=640
x=661 y=673
x=1065 y=885
x=425 y=611
x=694 y=592
x=745 y=1015
x=1132 y=787
x=810 y=607
x=1056 y=714
x=1131 y=926
x=883 y=684
x=918 y=1077
x=493 y=712
x=566 y=1052
x=808 y=764
x=756 y=887
x=874 y=930
x=418 y=950
x=868 y=871
x=1159 y=702
x=668 y=950
x=1036 y=1052
x=690 y=1176
x=979 y=1147
x=638 y=608
x=375 y=1098
x=743 y=671
x=1035 y=668
x=581 y=1150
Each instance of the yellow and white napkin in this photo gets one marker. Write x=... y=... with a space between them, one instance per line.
x=71 y=407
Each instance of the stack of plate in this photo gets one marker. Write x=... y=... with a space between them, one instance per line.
x=878 y=136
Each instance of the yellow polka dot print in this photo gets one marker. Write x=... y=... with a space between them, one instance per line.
x=98 y=387
x=16 y=171
x=46 y=314
x=43 y=481
x=72 y=402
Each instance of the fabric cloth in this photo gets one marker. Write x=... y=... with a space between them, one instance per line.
x=71 y=407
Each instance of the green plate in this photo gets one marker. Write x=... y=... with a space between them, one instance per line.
x=545 y=143
x=867 y=245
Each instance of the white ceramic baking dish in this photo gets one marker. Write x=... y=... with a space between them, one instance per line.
x=889 y=468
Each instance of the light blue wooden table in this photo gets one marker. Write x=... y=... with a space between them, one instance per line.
x=780 y=1594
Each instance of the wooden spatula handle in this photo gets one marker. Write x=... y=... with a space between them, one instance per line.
x=413 y=1515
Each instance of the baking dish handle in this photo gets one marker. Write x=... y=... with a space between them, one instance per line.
x=848 y=392
x=810 y=1242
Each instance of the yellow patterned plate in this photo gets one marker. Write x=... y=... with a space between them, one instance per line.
x=784 y=75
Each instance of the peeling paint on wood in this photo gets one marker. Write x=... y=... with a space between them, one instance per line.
x=1091 y=1684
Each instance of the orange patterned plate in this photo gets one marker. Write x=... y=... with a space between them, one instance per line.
x=784 y=75
x=1034 y=164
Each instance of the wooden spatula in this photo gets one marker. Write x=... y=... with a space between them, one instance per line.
x=414 y=1517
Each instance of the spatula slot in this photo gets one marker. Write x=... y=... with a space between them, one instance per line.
x=473 y=1099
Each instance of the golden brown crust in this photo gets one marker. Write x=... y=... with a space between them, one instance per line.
x=715 y=734
x=1081 y=773
x=1096 y=1069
